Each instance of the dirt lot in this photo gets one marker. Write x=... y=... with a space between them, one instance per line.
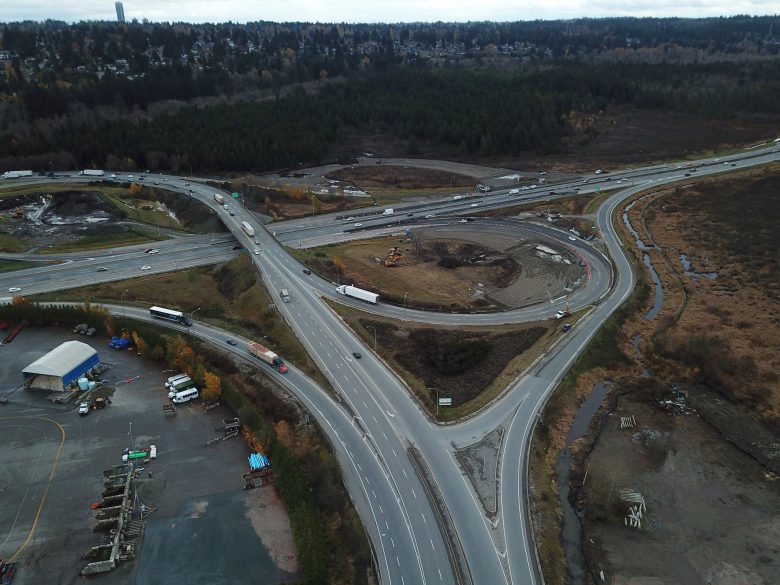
x=385 y=178
x=710 y=479
x=59 y=218
x=452 y=268
x=712 y=514
x=624 y=136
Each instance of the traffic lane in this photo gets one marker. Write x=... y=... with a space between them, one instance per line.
x=43 y=281
x=331 y=347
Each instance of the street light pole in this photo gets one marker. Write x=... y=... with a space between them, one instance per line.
x=406 y=293
x=437 y=399
x=374 y=330
x=121 y=300
x=191 y=316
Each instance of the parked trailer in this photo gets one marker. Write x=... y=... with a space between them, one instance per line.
x=358 y=293
x=219 y=198
x=17 y=174
x=267 y=356
x=92 y=173
x=247 y=228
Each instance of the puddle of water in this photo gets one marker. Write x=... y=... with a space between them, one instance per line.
x=692 y=273
x=658 y=301
x=572 y=525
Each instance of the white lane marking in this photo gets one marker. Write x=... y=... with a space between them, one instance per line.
x=392 y=541
x=440 y=577
x=433 y=547
x=404 y=472
x=424 y=520
x=414 y=494
x=396 y=454
x=397 y=561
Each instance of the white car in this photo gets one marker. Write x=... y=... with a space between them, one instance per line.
x=14 y=289
x=153 y=251
x=257 y=252
x=475 y=204
x=358 y=225
x=572 y=238
x=429 y=216
x=514 y=191
x=350 y=218
x=84 y=408
x=463 y=221
x=146 y=267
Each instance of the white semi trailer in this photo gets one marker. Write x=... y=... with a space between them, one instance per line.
x=358 y=293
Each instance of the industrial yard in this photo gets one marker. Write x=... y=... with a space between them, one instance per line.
x=54 y=465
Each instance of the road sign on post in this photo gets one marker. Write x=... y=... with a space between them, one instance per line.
x=445 y=401
x=234 y=195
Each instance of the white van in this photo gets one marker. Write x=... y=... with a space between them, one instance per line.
x=185 y=396
x=173 y=380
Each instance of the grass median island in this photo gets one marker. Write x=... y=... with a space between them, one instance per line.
x=11 y=265
x=100 y=241
x=471 y=365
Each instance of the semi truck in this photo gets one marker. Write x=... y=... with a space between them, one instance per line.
x=267 y=356
x=92 y=173
x=16 y=174
x=219 y=198
x=358 y=293
x=250 y=231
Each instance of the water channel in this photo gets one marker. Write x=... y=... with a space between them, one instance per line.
x=572 y=526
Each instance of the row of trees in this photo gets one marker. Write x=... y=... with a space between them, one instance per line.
x=466 y=113
x=330 y=540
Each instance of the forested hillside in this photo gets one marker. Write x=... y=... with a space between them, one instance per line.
x=227 y=97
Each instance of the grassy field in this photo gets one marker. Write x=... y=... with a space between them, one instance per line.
x=98 y=242
x=480 y=384
x=11 y=265
x=9 y=243
x=228 y=295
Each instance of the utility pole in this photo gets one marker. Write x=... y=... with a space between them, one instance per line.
x=121 y=300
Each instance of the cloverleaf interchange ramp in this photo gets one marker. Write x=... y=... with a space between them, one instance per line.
x=372 y=422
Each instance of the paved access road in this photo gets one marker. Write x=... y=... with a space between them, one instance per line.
x=372 y=420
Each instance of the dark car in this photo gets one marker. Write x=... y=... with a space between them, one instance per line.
x=230 y=341
x=306 y=271
x=102 y=269
x=567 y=327
x=357 y=355
x=235 y=247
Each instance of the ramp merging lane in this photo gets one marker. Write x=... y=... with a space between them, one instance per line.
x=369 y=415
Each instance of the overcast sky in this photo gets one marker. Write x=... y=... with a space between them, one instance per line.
x=372 y=10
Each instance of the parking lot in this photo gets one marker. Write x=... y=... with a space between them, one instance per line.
x=204 y=527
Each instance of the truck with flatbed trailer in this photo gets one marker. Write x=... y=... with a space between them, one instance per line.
x=358 y=293
x=250 y=231
x=92 y=173
x=266 y=355
x=17 y=174
x=219 y=198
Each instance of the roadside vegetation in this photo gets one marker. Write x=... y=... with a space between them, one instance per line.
x=11 y=265
x=331 y=544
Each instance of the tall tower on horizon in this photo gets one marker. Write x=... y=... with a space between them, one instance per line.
x=120 y=12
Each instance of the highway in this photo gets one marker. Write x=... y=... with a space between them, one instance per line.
x=372 y=420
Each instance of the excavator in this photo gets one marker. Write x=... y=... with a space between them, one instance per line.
x=394 y=256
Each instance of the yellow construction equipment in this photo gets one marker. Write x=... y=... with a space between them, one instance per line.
x=393 y=256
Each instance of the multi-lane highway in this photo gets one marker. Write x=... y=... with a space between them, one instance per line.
x=372 y=420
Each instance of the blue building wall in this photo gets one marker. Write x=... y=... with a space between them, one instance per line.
x=79 y=370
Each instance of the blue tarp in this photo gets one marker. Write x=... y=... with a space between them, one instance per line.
x=258 y=461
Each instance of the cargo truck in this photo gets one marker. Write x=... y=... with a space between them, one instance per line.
x=267 y=356
x=284 y=294
x=16 y=174
x=92 y=173
x=388 y=212
x=357 y=293
x=219 y=198
x=247 y=228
